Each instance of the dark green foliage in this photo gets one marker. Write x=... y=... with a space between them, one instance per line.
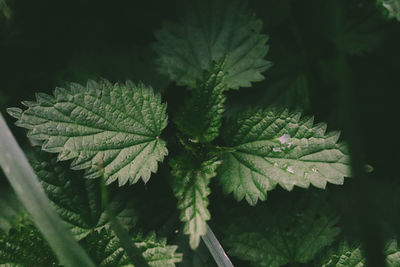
x=24 y=246
x=78 y=200
x=337 y=60
x=291 y=230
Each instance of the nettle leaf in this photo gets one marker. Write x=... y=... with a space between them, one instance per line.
x=24 y=246
x=286 y=230
x=349 y=255
x=191 y=188
x=209 y=31
x=271 y=146
x=105 y=250
x=392 y=7
x=78 y=200
x=108 y=129
x=201 y=115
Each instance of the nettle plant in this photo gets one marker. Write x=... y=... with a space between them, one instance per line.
x=114 y=132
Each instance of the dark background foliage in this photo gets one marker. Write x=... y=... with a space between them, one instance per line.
x=336 y=59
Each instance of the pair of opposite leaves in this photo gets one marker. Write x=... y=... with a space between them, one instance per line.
x=113 y=130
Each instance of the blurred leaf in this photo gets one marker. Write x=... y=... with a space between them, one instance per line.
x=29 y=191
x=209 y=31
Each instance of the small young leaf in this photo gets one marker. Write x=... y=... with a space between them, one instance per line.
x=105 y=249
x=270 y=147
x=110 y=130
x=191 y=180
x=201 y=115
x=78 y=200
x=347 y=256
x=287 y=230
x=209 y=31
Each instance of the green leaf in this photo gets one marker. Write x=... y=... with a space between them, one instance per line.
x=78 y=200
x=5 y=10
x=349 y=255
x=29 y=191
x=209 y=31
x=284 y=230
x=110 y=130
x=11 y=210
x=105 y=249
x=24 y=246
x=201 y=115
x=392 y=7
x=191 y=187
x=271 y=146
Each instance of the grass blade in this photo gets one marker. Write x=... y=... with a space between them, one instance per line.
x=29 y=191
x=216 y=249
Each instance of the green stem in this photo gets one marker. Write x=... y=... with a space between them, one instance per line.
x=133 y=253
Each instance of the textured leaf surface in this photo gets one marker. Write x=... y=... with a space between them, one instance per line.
x=110 y=130
x=282 y=231
x=270 y=147
x=191 y=188
x=78 y=200
x=351 y=256
x=24 y=246
x=209 y=31
x=201 y=115
x=105 y=250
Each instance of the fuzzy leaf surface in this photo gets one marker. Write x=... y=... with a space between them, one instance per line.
x=271 y=146
x=201 y=115
x=78 y=200
x=351 y=256
x=209 y=31
x=282 y=231
x=191 y=188
x=105 y=250
x=108 y=129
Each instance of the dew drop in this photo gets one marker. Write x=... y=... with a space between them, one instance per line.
x=290 y=169
x=176 y=231
x=283 y=139
x=277 y=149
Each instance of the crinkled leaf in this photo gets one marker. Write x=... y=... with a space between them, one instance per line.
x=282 y=231
x=24 y=246
x=78 y=200
x=392 y=7
x=209 y=31
x=105 y=250
x=108 y=129
x=201 y=115
x=352 y=256
x=270 y=147
x=191 y=188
